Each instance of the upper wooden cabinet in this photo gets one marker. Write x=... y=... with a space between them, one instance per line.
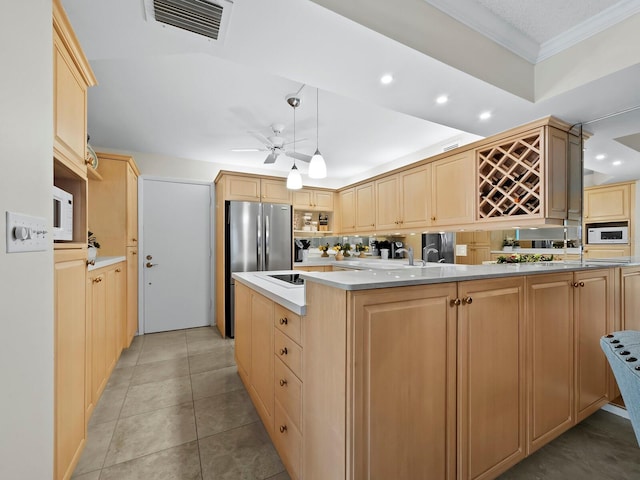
x=357 y=207
x=609 y=202
x=308 y=199
x=452 y=201
x=254 y=189
x=72 y=75
x=527 y=176
x=113 y=204
x=347 y=200
x=401 y=201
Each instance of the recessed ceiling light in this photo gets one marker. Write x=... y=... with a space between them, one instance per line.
x=617 y=162
x=600 y=157
x=485 y=115
x=442 y=99
x=386 y=79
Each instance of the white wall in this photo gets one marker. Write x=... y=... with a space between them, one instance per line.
x=26 y=279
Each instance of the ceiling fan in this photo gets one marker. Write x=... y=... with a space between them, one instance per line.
x=275 y=144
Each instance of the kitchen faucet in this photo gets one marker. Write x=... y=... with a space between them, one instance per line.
x=409 y=251
x=427 y=250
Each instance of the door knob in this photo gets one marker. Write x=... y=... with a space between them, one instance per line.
x=149 y=264
x=149 y=257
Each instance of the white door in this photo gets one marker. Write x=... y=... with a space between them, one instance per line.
x=176 y=263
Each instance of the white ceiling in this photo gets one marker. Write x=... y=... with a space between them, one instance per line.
x=173 y=93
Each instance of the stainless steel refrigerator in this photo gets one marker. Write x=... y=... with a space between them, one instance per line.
x=438 y=247
x=258 y=237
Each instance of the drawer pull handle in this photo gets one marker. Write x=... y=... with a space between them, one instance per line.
x=91 y=262
x=283 y=382
x=118 y=270
x=283 y=351
x=97 y=280
x=284 y=321
x=283 y=428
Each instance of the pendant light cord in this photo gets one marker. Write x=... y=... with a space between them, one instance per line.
x=317 y=120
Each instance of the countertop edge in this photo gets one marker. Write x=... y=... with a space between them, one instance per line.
x=274 y=292
x=102 y=262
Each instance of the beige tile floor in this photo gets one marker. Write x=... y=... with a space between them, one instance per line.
x=175 y=409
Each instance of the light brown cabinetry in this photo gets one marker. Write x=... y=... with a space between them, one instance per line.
x=550 y=357
x=526 y=176
x=72 y=76
x=69 y=365
x=404 y=424
x=269 y=358
x=629 y=298
x=491 y=380
x=113 y=204
x=594 y=313
x=609 y=202
x=357 y=207
x=309 y=199
x=452 y=201
x=255 y=189
x=132 y=296
x=313 y=268
x=603 y=251
x=401 y=201
x=478 y=247
x=105 y=323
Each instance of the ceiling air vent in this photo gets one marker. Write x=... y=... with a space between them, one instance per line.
x=203 y=17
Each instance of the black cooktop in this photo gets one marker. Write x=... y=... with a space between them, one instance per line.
x=292 y=278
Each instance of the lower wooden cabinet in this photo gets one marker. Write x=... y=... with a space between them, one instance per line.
x=404 y=383
x=550 y=357
x=630 y=299
x=491 y=377
x=269 y=358
x=132 y=296
x=69 y=353
x=106 y=290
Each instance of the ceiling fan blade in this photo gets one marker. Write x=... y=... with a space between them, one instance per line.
x=271 y=158
x=299 y=156
x=298 y=140
x=262 y=138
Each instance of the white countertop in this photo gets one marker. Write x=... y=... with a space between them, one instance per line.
x=541 y=251
x=287 y=295
x=102 y=262
x=441 y=273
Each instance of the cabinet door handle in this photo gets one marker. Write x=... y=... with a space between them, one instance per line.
x=118 y=270
x=575 y=284
x=134 y=239
x=454 y=302
x=467 y=300
x=283 y=351
x=283 y=428
x=91 y=262
x=433 y=219
x=283 y=382
x=97 y=280
x=582 y=284
x=134 y=253
x=284 y=321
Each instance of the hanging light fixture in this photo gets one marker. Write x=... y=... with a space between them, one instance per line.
x=294 y=179
x=317 y=166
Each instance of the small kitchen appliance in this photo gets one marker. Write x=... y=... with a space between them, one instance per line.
x=62 y=214
x=608 y=233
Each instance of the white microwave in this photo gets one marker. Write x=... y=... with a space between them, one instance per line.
x=62 y=214
x=609 y=234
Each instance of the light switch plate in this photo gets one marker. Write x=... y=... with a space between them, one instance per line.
x=461 y=250
x=26 y=233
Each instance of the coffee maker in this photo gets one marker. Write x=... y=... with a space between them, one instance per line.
x=395 y=246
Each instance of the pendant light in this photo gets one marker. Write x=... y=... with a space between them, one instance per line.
x=294 y=179
x=317 y=166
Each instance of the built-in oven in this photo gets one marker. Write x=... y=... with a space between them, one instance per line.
x=608 y=233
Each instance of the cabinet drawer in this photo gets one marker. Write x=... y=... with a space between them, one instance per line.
x=289 y=392
x=289 y=352
x=288 y=322
x=288 y=441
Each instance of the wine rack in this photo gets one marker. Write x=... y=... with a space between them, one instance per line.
x=510 y=177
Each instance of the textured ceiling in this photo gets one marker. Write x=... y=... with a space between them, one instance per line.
x=543 y=20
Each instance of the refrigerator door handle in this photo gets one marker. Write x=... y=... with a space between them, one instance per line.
x=266 y=242
x=259 y=244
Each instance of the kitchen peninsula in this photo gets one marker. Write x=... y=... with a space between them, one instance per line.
x=440 y=372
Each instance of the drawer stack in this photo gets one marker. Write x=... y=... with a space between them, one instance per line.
x=288 y=388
